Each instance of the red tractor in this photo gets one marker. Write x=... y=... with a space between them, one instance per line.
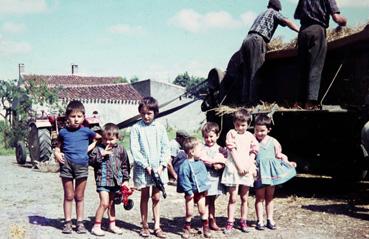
x=43 y=130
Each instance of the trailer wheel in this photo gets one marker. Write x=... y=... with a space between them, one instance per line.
x=39 y=142
x=20 y=152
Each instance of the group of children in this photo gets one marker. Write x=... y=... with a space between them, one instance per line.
x=203 y=171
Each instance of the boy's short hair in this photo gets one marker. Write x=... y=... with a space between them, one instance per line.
x=111 y=129
x=150 y=103
x=182 y=134
x=209 y=127
x=263 y=119
x=189 y=143
x=75 y=106
x=242 y=115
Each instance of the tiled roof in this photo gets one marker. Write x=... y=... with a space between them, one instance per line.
x=115 y=92
x=66 y=80
x=88 y=87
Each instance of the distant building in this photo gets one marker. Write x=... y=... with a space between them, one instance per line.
x=113 y=101
x=189 y=118
x=116 y=102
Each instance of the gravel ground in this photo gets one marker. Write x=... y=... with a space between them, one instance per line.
x=305 y=207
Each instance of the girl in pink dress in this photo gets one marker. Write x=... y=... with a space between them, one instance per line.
x=240 y=169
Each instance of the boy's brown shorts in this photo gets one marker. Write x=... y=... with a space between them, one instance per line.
x=73 y=170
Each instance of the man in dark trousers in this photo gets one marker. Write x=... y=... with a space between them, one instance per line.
x=312 y=45
x=254 y=48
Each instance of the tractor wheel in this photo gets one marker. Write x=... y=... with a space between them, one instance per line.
x=39 y=143
x=20 y=152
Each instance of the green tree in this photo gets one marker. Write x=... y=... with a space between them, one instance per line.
x=134 y=79
x=120 y=79
x=17 y=103
x=182 y=80
x=190 y=82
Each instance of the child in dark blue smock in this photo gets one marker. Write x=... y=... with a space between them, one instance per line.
x=273 y=169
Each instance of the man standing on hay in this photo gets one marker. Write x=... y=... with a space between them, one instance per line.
x=253 y=48
x=312 y=45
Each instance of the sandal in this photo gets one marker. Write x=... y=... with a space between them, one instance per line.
x=145 y=232
x=67 y=228
x=81 y=228
x=159 y=233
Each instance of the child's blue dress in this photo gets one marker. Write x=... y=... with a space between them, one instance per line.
x=272 y=171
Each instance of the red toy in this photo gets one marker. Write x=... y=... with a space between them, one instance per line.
x=122 y=197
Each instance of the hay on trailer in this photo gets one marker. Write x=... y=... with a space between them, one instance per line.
x=332 y=34
x=263 y=107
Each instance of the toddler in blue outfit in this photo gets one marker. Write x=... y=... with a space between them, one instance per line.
x=192 y=181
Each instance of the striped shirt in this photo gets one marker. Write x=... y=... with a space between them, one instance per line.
x=110 y=170
x=149 y=148
x=315 y=12
x=266 y=23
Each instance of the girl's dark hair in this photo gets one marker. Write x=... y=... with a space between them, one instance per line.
x=111 y=129
x=75 y=106
x=242 y=115
x=150 y=103
x=190 y=143
x=263 y=119
x=210 y=126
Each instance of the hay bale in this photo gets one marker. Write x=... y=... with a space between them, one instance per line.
x=277 y=43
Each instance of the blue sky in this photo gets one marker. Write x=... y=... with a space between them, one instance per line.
x=156 y=39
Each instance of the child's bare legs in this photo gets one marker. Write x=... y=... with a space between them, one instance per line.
x=189 y=208
x=231 y=209
x=232 y=203
x=189 y=202
x=259 y=201
x=155 y=197
x=203 y=210
x=77 y=193
x=210 y=203
x=244 y=194
x=68 y=198
x=269 y=194
x=111 y=214
x=79 y=198
x=104 y=204
x=145 y=193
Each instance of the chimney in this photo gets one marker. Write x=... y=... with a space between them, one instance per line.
x=74 y=69
x=20 y=69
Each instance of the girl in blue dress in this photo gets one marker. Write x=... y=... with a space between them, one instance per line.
x=273 y=169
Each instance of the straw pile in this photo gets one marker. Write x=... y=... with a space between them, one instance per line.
x=49 y=166
x=332 y=34
x=263 y=107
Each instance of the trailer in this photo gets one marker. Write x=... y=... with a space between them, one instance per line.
x=331 y=141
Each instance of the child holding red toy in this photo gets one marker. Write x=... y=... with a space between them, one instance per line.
x=112 y=168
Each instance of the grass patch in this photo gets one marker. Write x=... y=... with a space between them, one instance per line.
x=3 y=150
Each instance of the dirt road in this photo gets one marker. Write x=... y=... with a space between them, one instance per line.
x=306 y=207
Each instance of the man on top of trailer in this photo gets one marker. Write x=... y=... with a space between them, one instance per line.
x=312 y=45
x=253 y=48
